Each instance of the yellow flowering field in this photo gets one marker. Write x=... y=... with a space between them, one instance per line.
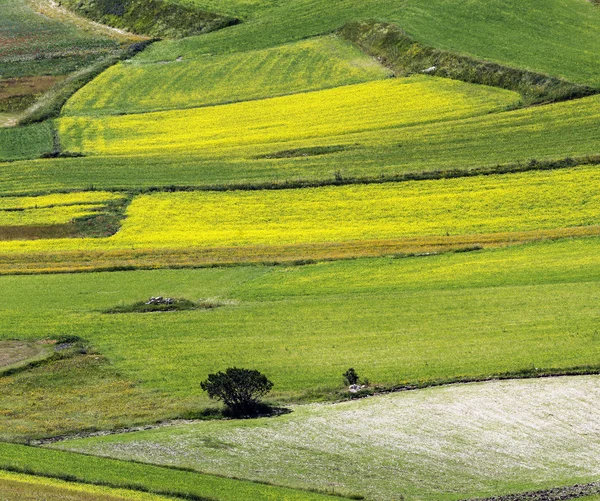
x=43 y=201
x=486 y=210
x=48 y=216
x=135 y=87
x=52 y=209
x=373 y=106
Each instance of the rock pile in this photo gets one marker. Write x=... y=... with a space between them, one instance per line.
x=160 y=300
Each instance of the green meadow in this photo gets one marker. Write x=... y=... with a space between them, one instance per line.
x=523 y=310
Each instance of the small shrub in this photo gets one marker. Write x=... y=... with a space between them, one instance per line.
x=351 y=377
x=239 y=389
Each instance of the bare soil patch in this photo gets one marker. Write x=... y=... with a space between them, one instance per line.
x=16 y=352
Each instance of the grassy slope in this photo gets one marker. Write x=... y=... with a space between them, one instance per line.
x=19 y=487
x=394 y=320
x=32 y=44
x=308 y=65
x=182 y=484
x=459 y=442
x=560 y=37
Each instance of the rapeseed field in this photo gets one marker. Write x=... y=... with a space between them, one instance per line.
x=132 y=87
x=374 y=106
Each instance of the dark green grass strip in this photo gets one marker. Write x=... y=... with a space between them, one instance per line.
x=180 y=483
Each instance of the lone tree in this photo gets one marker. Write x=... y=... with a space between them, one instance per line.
x=350 y=377
x=239 y=389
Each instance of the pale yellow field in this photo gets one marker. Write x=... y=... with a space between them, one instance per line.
x=345 y=110
x=509 y=204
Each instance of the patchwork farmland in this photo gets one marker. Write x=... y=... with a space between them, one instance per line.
x=387 y=213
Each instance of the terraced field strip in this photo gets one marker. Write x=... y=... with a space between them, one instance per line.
x=448 y=443
x=541 y=133
x=34 y=44
x=524 y=311
x=330 y=222
x=154 y=479
x=19 y=487
x=562 y=38
x=132 y=87
x=353 y=109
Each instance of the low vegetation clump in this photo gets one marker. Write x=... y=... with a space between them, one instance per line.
x=164 y=304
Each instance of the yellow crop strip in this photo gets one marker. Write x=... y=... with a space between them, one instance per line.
x=79 y=198
x=374 y=106
x=133 y=87
x=48 y=216
x=358 y=215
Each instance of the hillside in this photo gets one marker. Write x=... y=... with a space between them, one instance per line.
x=298 y=187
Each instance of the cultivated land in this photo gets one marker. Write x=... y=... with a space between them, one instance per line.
x=523 y=310
x=485 y=438
x=422 y=230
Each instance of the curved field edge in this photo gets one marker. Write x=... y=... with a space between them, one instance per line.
x=449 y=443
x=144 y=478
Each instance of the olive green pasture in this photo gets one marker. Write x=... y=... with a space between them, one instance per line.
x=26 y=142
x=79 y=470
x=418 y=321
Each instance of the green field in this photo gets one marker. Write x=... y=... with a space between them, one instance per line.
x=26 y=142
x=523 y=310
x=132 y=87
x=561 y=38
x=119 y=474
x=457 y=442
x=318 y=211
